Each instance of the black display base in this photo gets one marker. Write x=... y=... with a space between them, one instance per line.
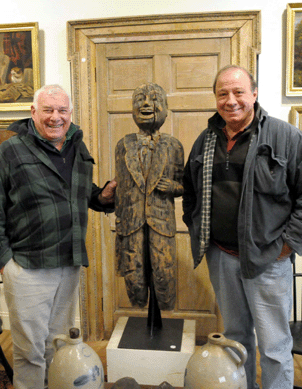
x=136 y=335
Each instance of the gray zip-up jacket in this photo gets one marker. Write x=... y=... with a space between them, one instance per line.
x=270 y=210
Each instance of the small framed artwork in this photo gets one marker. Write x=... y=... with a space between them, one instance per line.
x=4 y=133
x=19 y=66
x=294 y=50
x=295 y=116
x=4 y=123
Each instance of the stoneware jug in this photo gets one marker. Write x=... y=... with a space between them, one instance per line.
x=216 y=366
x=75 y=364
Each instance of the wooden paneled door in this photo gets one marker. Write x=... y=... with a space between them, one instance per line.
x=110 y=58
x=185 y=69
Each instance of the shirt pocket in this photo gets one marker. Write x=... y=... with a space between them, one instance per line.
x=270 y=172
x=27 y=170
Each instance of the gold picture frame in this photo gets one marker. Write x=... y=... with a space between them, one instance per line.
x=294 y=50
x=19 y=65
x=4 y=133
x=4 y=123
x=295 y=116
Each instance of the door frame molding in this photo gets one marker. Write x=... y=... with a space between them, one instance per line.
x=244 y=30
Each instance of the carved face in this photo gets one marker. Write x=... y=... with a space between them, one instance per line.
x=150 y=107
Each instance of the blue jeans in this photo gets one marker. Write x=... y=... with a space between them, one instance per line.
x=263 y=304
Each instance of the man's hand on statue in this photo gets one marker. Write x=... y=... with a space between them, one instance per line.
x=165 y=185
x=107 y=195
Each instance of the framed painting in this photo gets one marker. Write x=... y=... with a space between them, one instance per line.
x=4 y=123
x=295 y=116
x=19 y=66
x=4 y=133
x=294 y=50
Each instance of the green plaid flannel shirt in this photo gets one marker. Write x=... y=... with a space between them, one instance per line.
x=39 y=213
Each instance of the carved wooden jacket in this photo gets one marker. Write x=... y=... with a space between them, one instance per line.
x=138 y=201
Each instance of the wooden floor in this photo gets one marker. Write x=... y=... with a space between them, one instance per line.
x=100 y=349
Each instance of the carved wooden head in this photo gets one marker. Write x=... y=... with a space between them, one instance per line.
x=150 y=107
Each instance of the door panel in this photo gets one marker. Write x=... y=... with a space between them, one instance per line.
x=186 y=70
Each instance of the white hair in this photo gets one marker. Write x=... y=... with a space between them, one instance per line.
x=51 y=90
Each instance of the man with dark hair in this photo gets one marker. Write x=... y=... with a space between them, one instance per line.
x=45 y=191
x=243 y=206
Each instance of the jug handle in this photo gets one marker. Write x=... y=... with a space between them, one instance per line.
x=61 y=337
x=239 y=347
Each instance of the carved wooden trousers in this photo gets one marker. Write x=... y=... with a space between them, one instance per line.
x=142 y=253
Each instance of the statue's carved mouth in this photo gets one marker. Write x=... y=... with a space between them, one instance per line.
x=147 y=113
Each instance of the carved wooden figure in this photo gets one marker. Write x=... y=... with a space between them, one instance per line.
x=149 y=172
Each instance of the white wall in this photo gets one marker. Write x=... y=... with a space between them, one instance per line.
x=52 y=16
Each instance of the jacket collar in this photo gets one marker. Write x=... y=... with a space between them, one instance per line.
x=26 y=134
x=216 y=121
x=133 y=164
x=25 y=127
